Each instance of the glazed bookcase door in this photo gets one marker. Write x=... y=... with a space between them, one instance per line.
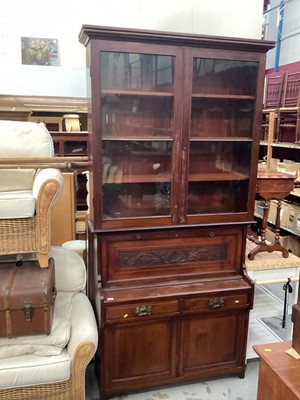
x=140 y=132
x=221 y=96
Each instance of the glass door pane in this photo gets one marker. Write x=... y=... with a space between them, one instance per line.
x=223 y=98
x=136 y=178
x=218 y=177
x=137 y=118
x=221 y=130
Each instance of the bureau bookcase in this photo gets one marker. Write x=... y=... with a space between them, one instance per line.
x=175 y=122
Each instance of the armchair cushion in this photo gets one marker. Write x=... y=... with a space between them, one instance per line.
x=21 y=203
x=33 y=140
x=70 y=271
x=17 y=204
x=30 y=370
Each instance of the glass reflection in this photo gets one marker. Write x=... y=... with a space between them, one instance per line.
x=132 y=71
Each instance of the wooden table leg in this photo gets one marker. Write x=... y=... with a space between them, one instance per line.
x=263 y=246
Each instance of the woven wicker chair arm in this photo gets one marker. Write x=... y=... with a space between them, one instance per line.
x=48 y=193
x=44 y=175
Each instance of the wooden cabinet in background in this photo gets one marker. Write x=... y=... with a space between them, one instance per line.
x=63 y=214
x=174 y=144
x=74 y=144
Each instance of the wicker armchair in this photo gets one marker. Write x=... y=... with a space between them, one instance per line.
x=31 y=372
x=27 y=195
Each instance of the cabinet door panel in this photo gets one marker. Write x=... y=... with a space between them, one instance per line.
x=141 y=352
x=139 y=120
x=212 y=342
x=218 y=128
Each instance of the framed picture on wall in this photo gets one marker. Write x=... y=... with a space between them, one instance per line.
x=40 y=51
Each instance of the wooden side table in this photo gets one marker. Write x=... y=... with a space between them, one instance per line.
x=272 y=185
x=279 y=373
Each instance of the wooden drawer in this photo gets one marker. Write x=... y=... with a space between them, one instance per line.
x=216 y=302
x=139 y=311
x=147 y=257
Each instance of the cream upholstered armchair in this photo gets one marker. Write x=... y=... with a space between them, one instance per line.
x=27 y=195
x=53 y=367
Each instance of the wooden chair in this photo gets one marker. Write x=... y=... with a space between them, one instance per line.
x=274 y=91
x=272 y=100
x=288 y=121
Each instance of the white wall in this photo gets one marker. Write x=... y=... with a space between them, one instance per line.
x=290 y=44
x=62 y=20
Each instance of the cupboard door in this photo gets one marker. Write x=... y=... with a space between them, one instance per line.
x=219 y=131
x=139 y=354
x=212 y=343
x=139 y=122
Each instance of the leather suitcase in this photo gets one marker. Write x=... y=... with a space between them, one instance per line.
x=27 y=297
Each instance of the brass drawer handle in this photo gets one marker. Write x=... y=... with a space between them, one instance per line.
x=143 y=310
x=216 y=302
x=211 y=234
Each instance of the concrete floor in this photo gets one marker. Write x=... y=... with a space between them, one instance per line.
x=226 y=388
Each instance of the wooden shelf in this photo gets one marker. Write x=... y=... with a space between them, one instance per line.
x=139 y=179
x=138 y=138
x=282 y=145
x=136 y=93
x=221 y=139
x=205 y=177
x=224 y=96
x=218 y=176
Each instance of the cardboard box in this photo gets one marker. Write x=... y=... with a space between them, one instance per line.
x=290 y=167
x=273 y=211
x=291 y=217
x=259 y=208
x=297 y=222
x=284 y=214
x=284 y=211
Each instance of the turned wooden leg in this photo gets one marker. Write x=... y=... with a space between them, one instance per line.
x=263 y=246
x=265 y=221
x=277 y=222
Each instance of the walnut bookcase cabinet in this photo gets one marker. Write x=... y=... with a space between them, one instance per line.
x=175 y=122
